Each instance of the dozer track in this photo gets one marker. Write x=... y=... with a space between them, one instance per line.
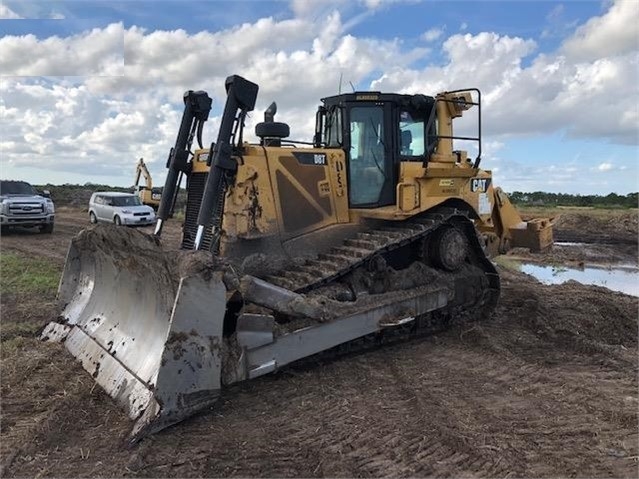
x=330 y=267
x=368 y=318
x=150 y=328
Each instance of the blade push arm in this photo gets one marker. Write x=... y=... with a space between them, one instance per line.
x=513 y=232
x=197 y=105
x=241 y=96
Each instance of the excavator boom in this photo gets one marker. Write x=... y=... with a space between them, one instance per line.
x=148 y=194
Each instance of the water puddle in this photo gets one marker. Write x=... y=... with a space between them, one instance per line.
x=569 y=244
x=623 y=278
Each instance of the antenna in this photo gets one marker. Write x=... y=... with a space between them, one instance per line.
x=351 y=84
x=339 y=89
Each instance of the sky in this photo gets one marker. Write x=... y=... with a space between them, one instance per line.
x=87 y=87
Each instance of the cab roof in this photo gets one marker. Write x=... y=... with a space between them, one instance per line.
x=418 y=101
x=113 y=193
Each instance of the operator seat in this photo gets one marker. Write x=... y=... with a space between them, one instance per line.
x=406 y=140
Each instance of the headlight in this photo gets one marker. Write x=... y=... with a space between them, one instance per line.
x=50 y=207
x=4 y=207
x=127 y=212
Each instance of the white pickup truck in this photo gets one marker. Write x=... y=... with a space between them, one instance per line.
x=22 y=205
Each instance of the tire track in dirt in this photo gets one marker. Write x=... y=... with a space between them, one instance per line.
x=545 y=388
x=30 y=242
x=377 y=434
x=441 y=407
x=447 y=451
x=556 y=398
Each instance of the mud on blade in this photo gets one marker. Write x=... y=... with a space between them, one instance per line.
x=151 y=337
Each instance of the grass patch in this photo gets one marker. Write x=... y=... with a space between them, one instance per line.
x=19 y=275
x=13 y=344
x=23 y=326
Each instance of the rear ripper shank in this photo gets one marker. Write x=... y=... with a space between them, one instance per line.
x=377 y=230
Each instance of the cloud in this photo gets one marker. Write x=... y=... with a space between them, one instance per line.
x=376 y=4
x=551 y=92
x=432 y=34
x=128 y=104
x=29 y=10
x=96 y=52
x=6 y=13
x=297 y=60
x=320 y=8
x=101 y=123
x=556 y=13
x=556 y=25
x=489 y=59
x=312 y=8
x=610 y=166
x=614 y=33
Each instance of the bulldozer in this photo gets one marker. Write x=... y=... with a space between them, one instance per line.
x=148 y=195
x=376 y=230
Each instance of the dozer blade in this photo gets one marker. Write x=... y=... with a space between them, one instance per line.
x=150 y=338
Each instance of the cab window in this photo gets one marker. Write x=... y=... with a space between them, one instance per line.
x=411 y=134
x=126 y=201
x=333 y=128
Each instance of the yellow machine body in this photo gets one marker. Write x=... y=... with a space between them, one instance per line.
x=149 y=195
x=286 y=192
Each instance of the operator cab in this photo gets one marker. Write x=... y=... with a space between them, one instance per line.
x=377 y=131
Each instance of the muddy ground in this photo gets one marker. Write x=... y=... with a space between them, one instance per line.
x=546 y=388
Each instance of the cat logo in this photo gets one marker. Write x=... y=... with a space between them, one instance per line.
x=479 y=185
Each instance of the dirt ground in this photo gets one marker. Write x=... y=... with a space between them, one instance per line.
x=546 y=388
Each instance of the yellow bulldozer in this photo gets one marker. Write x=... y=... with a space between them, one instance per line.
x=374 y=231
x=148 y=195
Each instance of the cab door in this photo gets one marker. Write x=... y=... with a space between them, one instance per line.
x=371 y=166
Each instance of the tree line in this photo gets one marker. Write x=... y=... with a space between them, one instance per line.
x=78 y=195
x=541 y=198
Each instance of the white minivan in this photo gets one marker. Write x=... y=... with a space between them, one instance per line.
x=119 y=209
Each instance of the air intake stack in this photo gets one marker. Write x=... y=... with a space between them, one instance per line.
x=270 y=131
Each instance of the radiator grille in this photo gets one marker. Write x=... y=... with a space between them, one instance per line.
x=24 y=208
x=195 y=191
